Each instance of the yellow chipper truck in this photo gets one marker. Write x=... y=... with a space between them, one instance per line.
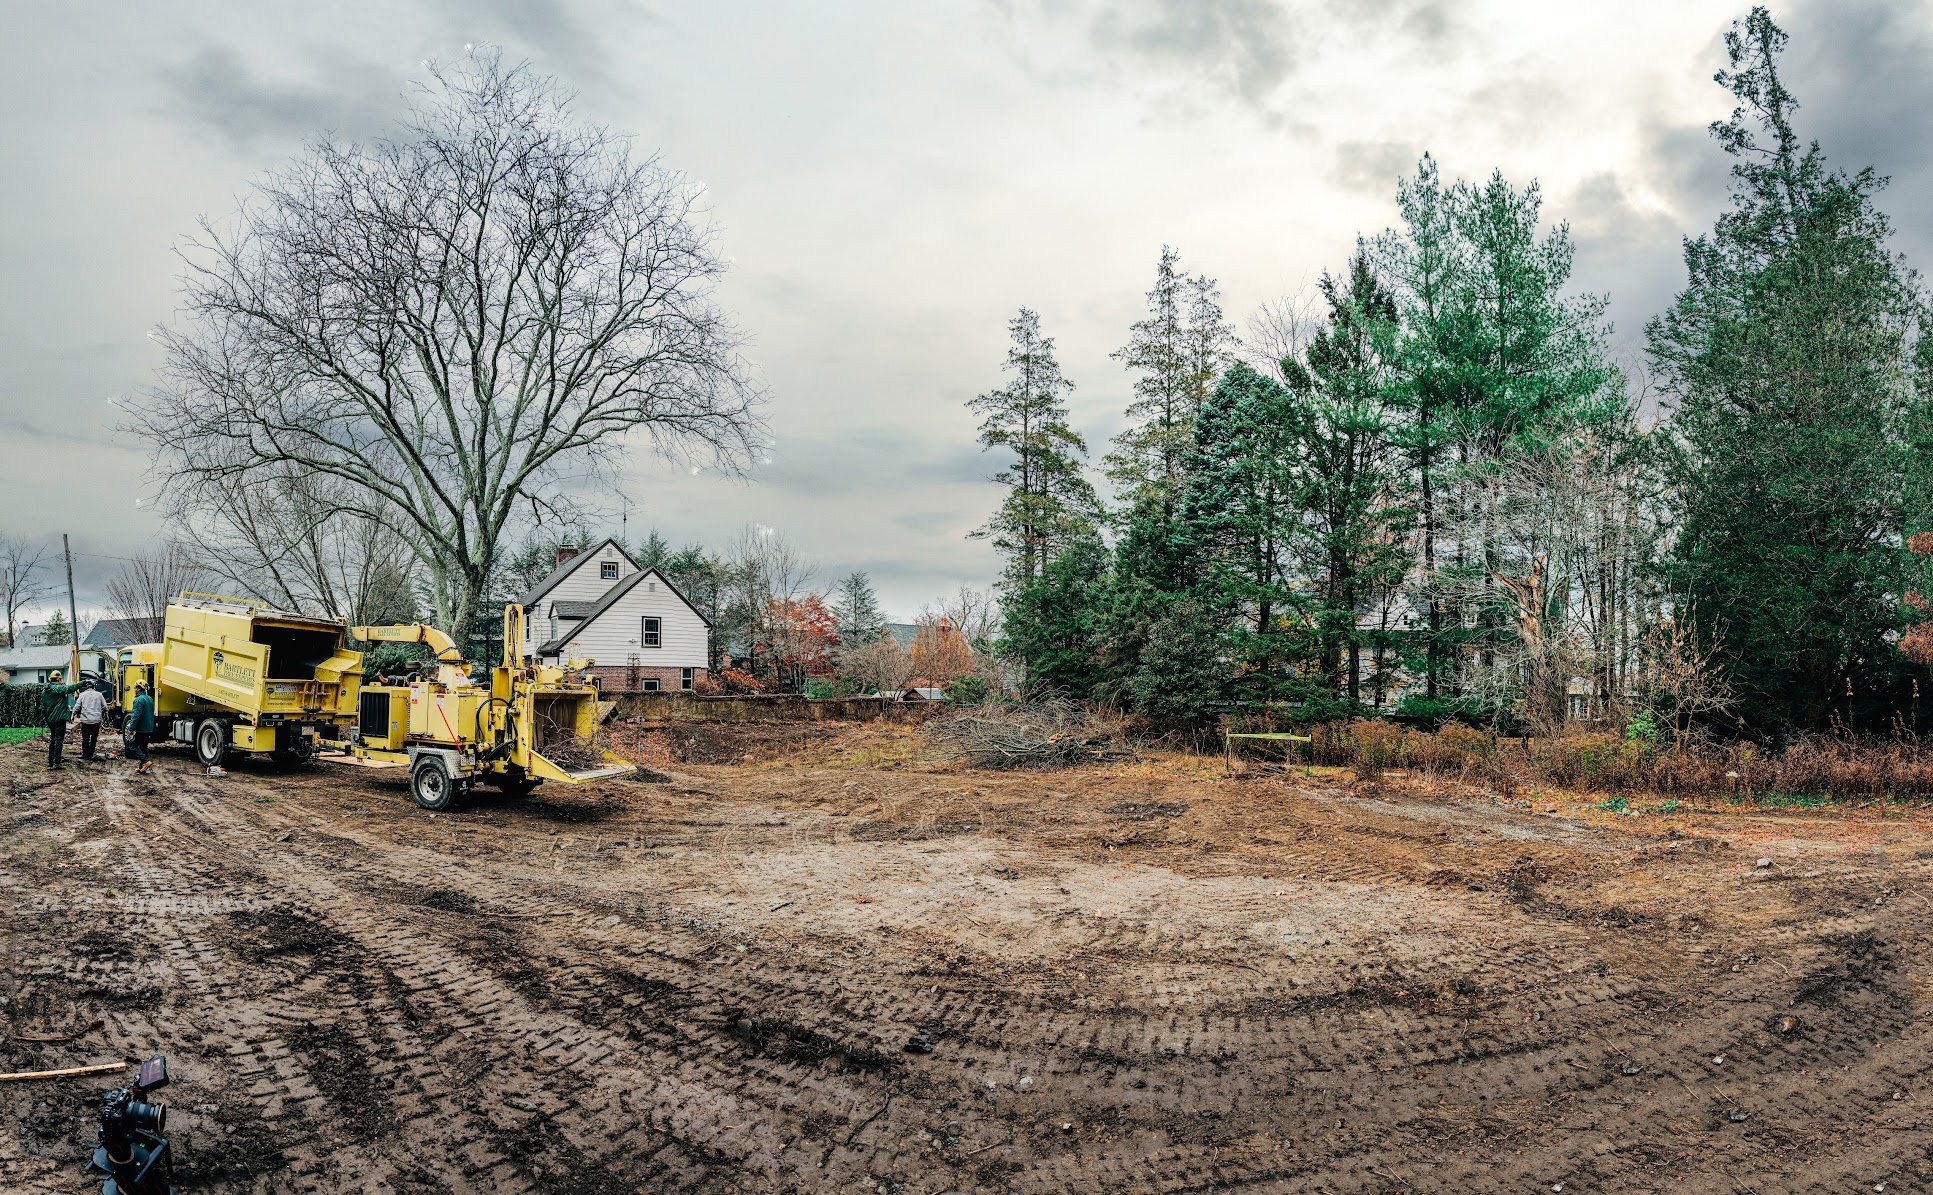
x=525 y=724
x=232 y=675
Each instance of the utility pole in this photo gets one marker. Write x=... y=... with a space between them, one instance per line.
x=73 y=616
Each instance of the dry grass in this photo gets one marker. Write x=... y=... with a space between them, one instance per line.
x=1608 y=763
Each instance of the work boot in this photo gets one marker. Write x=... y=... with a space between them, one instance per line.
x=145 y=765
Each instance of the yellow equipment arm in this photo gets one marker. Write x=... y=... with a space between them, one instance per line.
x=444 y=647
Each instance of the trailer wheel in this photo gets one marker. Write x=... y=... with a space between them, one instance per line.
x=431 y=784
x=211 y=742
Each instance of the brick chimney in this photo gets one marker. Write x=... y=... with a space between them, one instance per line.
x=564 y=554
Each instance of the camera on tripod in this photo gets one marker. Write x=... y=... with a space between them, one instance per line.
x=132 y=1152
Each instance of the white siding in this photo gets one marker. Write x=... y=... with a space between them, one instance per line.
x=582 y=584
x=616 y=635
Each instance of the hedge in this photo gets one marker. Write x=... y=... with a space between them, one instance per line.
x=20 y=705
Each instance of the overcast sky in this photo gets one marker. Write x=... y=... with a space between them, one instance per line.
x=892 y=180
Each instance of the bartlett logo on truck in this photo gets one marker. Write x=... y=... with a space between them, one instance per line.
x=232 y=672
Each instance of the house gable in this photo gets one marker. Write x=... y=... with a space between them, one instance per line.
x=575 y=588
x=571 y=575
x=613 y=632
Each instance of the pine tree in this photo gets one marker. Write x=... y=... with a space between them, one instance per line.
x=1049 y=501
x=856 y=608
x=1791 y=360
x=1426 y=263
x=1178 y=350
x=1053 y=625
x=1497 y=362
x=1349 y=483
x=57 y=632
x=1239 y=518
x=653 y=551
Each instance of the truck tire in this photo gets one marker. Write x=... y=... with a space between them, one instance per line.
x=432 y=785
x=211 y=742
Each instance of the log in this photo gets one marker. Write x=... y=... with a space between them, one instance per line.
x=99 y=1068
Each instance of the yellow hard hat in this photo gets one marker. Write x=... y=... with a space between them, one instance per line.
x=56 y=674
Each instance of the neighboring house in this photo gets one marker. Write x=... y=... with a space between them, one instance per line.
x=921 y=693
x=905 y=632
x=33 y=665
x=638 y=629
x=112 y=633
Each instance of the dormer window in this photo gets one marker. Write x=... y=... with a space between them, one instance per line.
x=607 y=569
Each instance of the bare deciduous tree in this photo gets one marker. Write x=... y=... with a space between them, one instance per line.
x=287 y=539
x=451 y=320
x=21 y=583
x=141 y=590
x=879 y=665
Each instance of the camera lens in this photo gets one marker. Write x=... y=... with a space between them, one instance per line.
x=150 y=1117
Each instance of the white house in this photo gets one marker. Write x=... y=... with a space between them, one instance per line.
x=34 y=665
x=639 y=631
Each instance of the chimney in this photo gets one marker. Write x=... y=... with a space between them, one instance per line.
x=564 y=554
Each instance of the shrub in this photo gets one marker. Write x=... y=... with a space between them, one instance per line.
x=1433 y=712
x=966 y=690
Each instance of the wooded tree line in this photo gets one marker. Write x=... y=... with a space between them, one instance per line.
x=1434 y=491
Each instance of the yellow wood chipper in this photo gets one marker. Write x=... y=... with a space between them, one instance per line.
x=526 y=724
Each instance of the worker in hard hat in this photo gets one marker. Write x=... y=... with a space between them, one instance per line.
x=90 y=710
x=140 y=727
x=54 y=712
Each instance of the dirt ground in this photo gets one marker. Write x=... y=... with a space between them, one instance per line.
x=827 y=966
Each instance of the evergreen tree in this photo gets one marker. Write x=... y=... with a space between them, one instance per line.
x=1238 y=522
x=856 y=608
x=1178 y=350
x=653 y=551
x=1497 y=362
x=1049 y=501
x=1053 y=625
x=1793 y=363
x=1426 y=264
x=57 y=632
x=1348 y=472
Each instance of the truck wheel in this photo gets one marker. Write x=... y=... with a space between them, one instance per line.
x=211 y=742
x=431 y=784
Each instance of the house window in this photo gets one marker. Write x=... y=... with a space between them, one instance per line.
x=684 y=679
x=653 y=633
x=607 y=569
x=651 y=684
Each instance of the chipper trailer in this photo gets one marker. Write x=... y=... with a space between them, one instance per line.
x=523 y=725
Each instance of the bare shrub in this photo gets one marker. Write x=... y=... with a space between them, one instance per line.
x=1042 y=736
x=1823 y=767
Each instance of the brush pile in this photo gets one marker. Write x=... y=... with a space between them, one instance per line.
x=1040 y=736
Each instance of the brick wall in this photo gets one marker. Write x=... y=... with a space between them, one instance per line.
x=622 y=678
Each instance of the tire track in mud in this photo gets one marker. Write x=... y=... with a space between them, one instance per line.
x=401 y=1005
x=586 y=1071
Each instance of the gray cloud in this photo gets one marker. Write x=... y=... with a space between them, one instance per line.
x=1858 y=68
x=1243 y=48
x=1373 y=167
x=217 y=90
